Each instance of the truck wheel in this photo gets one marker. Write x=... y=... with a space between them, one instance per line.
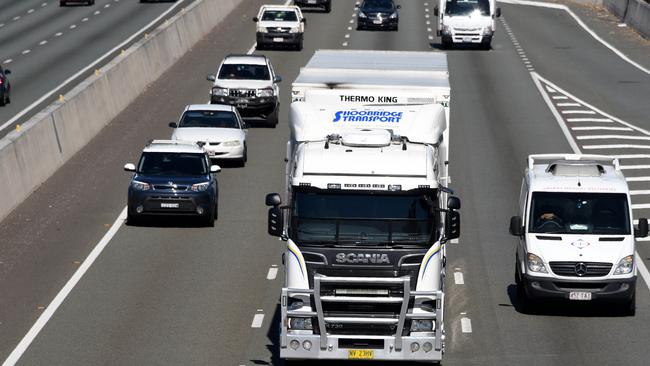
x=62 y=3
x=328 y=7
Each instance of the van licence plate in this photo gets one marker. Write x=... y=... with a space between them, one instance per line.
x=169 y=205
x=361 y=354
x=580 y=295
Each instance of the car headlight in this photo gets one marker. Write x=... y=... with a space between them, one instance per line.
x=362 y=15
x=220 y=91
x=535 y=264
x=294 y=30
x=140 y=186
x=487 y=31
x=625 y=265
x=266 y=92
x=200 y=187
x=231 y=143
x=300 y=324
x=262 y=30
x=393 y=16
x=421 y=325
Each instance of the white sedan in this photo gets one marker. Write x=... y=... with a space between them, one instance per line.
x=218 y=127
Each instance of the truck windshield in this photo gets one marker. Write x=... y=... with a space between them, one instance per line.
x=174 y=164
x=467 y=7
x=579 y=213
x=362 y=218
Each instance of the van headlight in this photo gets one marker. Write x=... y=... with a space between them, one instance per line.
x=200 y=187
x=300 y=324
x=231 y=143
x=535 y=264
x=140 y=186
x=625 y=265
x=421 y=325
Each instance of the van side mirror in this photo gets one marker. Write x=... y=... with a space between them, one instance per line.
x=453 y=203
x=452 y=225
x=173 y=125
x=211 y=77
x=130 y=167
x=436 y=12
x=498 y=13
x=641 y=231
x=516 y=226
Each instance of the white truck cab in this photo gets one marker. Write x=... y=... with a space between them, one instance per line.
x=280 y=25
x=467 y=21
x=576 y=232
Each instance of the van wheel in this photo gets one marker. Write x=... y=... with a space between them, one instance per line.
x=630 y=306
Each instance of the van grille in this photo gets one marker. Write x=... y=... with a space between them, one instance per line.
x=581 y=269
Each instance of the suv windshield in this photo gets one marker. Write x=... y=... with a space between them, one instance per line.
x=467 y=7
x=363 y=218
x=579 y=213
x=378 y=5
x=214 y=119
x=175 y=164
x=244 y=72
x=280 y=16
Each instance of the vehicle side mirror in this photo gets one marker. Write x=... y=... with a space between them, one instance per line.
x=256 y=19
x=273 y=199
x=453 y=203
x=275 y=221
x=211 y=77
x=277 y=79
x=130 y=167
x=436 y=12
x=641 y=231
x=516 y=226
x=244 y=125
x=356 y=6
x=398 y=6
x=452 y=225
x=173 y=125
x=303 y=20
x=215 y=168
x=7 y=71
x=498 y=13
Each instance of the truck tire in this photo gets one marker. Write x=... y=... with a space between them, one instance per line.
x=328 y=7
x=62 y=3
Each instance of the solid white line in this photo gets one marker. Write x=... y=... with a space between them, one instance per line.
x=634 y=167
x=577 y=111
x=562 y=97
x=89 y=67
x=568 y=104
x=458 y=278
x=599 y=128
x=257 y=321
x=607 y=120
x=615 y=146
x=466 y=325
x=550 y=90
x=639 y=260
x=632 y=156
x=454 y=241
x=583 y=25
x=42 y=42
x=273 y=273
x=637 y=179
x=65 y=291
x=613 y=137
x=639 y=192
x=640 y=206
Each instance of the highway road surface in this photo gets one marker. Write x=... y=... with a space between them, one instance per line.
x=171 y=293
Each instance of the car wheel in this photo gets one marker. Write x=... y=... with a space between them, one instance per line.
x=62 y=3
x=3 y=100
x=328 y=7
x=299 y=46
x=244 y=158
x=445 y=44
x=272 y=119
x=209 y=218
x=523 y=300
x=131 y=219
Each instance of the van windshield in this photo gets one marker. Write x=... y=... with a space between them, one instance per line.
x=467 y=7
x=579 y=213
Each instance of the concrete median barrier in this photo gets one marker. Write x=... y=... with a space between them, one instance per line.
x=29 y=156
x=635 y=13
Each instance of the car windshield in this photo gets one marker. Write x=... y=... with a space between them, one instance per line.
x=378 y=5
x=174 y=164
x=579 y=213
x=244 y=72
x=467 y=7
x=280 y=16
x=390 y=219
x=213 y=119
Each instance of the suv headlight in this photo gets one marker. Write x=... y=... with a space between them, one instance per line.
x=300 y=324
x=231 y=143
x=262 y=30
x=220 y=91
x=362 y=15
x=421 y=325
x=393 y=16
x=625 y=265
x=200 y=187
x=266 y=92
x=295 y=30
x=535 y=264
x=140 y=186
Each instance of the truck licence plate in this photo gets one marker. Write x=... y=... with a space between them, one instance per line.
x=580 y=295
x=361 y=354
x=278 y=39
x=169 y=205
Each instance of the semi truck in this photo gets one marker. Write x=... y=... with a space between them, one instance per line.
x=368 y=212
x=466 y=22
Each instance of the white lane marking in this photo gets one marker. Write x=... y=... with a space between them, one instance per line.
x=26 y=52
x=89 y=67
x=2 y=25
x=615 y=146
x=454 y=241
x=7 y=61
x=84 y=20
x=43 y=4
x=458 y=278
x=30 y=11
x=73 y=26
x=65 y=291
x=344 y=44
x=583 y=25
x=257 y=321
x=347 y=36
x=349 y=28
x=634 y=167
x=639 y=192
x=252 y=49
x=466 y=325
x=632 y=156
x=614 y=137
x=560 y=97
x=17 y=17
x=107 y=5
x=272 y=274
x=58 y=34
x=640 y=206
x=578 y=111
x=604 y=120
x=550 y=90
x=600 y=128
x=637 y=179
x=43 y=42
x=351 y=21
x=568 y=104
x=97 y=12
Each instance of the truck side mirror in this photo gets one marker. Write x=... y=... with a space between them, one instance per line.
x=436 y=12
x=273 y=199
x=452 y=225
x=453 y=203
x=275 y=221
x=498 y=13
x=516 y=226
x=641 y=231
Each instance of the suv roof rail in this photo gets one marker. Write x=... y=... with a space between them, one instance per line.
x=573 y=159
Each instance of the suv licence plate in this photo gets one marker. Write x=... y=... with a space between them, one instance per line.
x=169 y=205
x=278 y=39
x=361 y=354
x=580 y=295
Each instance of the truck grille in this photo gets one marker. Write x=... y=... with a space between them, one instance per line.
x=242 y=93
x=581 y=269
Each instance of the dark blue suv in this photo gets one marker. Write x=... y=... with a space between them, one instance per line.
x=173 y=178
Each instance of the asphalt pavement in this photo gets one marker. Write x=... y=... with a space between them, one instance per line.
x=171 y=293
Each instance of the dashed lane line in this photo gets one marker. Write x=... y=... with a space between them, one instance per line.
x=258 y=319
x=466 y=325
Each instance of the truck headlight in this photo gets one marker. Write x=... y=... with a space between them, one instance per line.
x=625 y=265
x=266 y=92
x=393 y=16
x=535 y=264
x=140 y=186
x=421 y=325
x=446 y=29
x=231 y=143
x=300 y=324
x=223 y=92
x=200 y=187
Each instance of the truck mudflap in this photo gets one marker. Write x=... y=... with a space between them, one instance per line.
x=321 y=344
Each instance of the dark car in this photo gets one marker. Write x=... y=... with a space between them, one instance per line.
x=173 y=178
x=66 y=2
x=326 y=5
x=5 y=87
x=378 y=14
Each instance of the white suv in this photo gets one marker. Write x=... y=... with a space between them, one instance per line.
x=279 y=25
x=576 y=233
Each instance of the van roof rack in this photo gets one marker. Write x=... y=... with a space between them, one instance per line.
x=574 y=164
